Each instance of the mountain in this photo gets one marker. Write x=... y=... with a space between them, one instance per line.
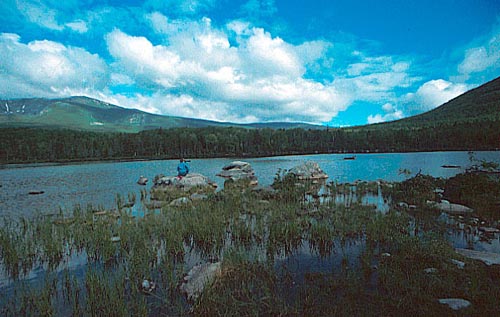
x=83 y=113
x=481 y=104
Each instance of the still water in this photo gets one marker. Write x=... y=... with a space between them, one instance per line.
x=99 y=183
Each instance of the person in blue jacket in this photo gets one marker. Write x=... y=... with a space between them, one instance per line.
x=182 y=168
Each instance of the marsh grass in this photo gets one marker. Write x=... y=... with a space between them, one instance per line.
x=249 y=232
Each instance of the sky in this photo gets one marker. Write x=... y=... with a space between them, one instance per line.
x=330 y=62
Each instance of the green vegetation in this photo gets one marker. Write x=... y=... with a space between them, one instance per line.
x=22 y=145
x=376 y=264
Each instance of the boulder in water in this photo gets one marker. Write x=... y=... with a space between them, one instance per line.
x=238 y=170
x=198 y=277
x=308 y=171
x=142 y=180
x=172 y=187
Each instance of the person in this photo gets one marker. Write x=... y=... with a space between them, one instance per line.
x=182 y=168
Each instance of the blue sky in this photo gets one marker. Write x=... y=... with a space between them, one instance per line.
x=332 y=62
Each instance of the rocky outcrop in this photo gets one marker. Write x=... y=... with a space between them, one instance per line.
x=239 y=171
x=171 y=187
x=308 y=171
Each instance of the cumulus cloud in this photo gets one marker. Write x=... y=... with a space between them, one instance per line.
x=47 y=69
x=434 y=93
x=204 y=76
x=391 y=113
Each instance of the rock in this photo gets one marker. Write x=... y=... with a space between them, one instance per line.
x=168 y=187
x=147 y=286
x=450 y=208
x=403 y=204
x=182 y=201
x=488 y=258
x=455 y=303
x=458 y=263
x=238 y=170
x=115 y=239
x=308 y=171
x=187 y=182
x=142 y=180
x=430 y=270
x=198 y=277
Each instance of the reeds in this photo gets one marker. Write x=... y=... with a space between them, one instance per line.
x=250 y=233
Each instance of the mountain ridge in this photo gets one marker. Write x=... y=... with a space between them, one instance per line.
x=84 y=113
x=88 y=114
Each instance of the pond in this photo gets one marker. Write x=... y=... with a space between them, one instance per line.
x=63 y=186
x=300 y=245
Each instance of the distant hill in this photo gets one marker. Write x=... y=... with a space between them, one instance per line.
x=87 y=114
x=481 y=104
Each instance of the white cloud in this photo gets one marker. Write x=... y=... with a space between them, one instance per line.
x=480 y=58
x=434 y=93
x=40 y=14
x=47 y=69
x=78 y=26
x=391 y=113
x=262 y=75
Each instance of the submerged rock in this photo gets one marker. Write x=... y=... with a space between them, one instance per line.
x=198 y=277
x=488 y=258
x=142 y=180
x=237 y=171
x=455 y=303
x=308 y=171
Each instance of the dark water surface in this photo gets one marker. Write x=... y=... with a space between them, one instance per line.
x=99 y=183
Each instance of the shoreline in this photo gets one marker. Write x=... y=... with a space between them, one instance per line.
x=245 y=156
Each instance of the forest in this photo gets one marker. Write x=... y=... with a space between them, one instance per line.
x=29 y=145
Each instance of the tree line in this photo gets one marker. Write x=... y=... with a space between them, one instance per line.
x=22 y=145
